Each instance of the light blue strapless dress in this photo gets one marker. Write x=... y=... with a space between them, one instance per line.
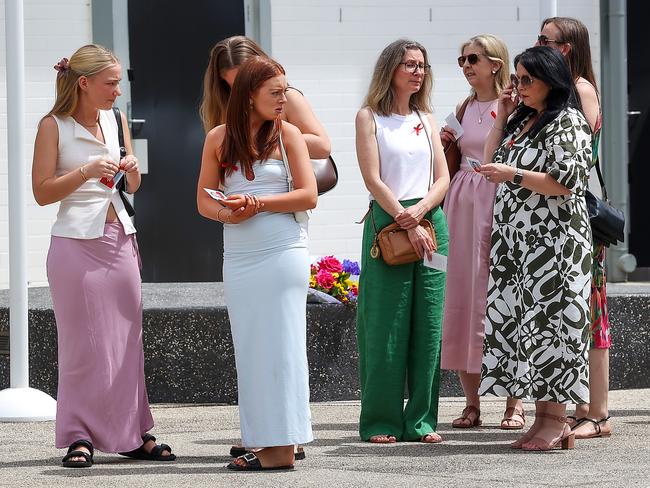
x=266 y=276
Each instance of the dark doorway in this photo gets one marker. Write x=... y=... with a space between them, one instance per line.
x=639 y=124
x=169 y=46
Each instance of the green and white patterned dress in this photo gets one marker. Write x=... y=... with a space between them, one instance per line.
x=537 y=323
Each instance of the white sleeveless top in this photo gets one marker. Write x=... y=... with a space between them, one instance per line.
x=82 y=214
x=404 y=154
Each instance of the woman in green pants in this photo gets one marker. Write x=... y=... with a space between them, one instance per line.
x=399 y=310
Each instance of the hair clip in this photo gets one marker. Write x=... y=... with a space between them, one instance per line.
x=63 y=65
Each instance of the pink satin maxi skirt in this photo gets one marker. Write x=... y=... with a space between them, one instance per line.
x=96 y=292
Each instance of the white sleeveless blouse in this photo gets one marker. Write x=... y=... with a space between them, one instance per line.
x=404 y=154
x=82 y=214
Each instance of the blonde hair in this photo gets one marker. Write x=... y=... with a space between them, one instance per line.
x=496 y=50
x=380 y=97
x=226 y=54
x=86 y=61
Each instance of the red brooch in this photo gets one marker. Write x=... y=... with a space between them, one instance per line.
x=229 y=166
x=493 y=114
x=418 y=128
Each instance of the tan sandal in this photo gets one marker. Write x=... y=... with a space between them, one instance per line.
x=382 y=439
x=467 y=422
x=431 y=438
x=566 y=440
x=508 y=416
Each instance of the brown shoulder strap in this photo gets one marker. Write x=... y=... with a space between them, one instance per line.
x=461 y=111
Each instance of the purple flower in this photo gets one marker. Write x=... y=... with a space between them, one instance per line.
x=351 y=267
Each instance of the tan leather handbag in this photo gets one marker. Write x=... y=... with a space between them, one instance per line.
x=395 y=245
x=392 y=243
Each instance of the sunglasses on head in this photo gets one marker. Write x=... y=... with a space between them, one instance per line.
x=524 y=81
x=543 y=40
x=470 y=58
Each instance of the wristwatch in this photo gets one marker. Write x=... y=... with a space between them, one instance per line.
x=518 y=177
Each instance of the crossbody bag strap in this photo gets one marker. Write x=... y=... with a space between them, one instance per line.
x=121 y=185
x=285 y=160
x=120 y=131
x=601 y=180
x=426 y=131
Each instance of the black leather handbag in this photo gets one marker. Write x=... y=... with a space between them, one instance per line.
x=607 y=222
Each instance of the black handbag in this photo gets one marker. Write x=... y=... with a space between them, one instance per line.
x=121 y=185
x=607 y=222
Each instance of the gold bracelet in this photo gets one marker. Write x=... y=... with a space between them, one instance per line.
x=82 y=172
x=494 y=126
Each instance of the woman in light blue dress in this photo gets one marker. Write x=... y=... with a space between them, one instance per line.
x=261 y=163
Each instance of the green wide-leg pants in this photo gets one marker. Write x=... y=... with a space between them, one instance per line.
x=399 y=327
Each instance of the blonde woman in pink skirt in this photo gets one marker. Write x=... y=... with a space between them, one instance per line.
x=93 y=265
x=468 y=206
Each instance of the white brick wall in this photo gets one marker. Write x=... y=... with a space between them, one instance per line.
x=53 y=29
x=330 y=60
x=329 y=51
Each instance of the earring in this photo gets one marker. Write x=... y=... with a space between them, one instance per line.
x=494 y=72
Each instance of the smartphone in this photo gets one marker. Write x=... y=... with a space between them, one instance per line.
x=515 y=82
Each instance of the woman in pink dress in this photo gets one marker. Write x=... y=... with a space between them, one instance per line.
x=93 y=265
x=468 y=206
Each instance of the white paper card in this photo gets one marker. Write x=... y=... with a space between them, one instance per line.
x=437 y=261
x=475 y=164
x=452 y=123
x=216 y=194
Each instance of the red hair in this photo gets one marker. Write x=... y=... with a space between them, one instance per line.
x=238 y=146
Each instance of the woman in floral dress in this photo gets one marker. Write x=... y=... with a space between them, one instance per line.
x=536 y=331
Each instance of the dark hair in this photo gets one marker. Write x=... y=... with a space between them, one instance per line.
x=546 y=64
x=575 y=33
x=238 y=145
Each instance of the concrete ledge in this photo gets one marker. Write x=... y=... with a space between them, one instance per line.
x=189 y=355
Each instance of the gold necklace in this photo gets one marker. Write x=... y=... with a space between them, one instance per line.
x=482 y=112
x=89 y=125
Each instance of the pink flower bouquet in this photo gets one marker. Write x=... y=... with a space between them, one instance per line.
x=332 y=277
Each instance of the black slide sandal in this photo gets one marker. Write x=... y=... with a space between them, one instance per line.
x=72 y=452
x=156 y=453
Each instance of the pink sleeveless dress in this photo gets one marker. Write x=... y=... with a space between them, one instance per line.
x=468 y=207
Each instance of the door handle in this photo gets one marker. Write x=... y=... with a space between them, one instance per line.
x=634 y=112
x=137 y=121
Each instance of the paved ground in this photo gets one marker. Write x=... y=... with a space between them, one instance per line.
x=201 y=436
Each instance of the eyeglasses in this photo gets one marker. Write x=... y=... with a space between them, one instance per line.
x=543 y=40
x=525 y=81
x=412 y=67
x=470 y=58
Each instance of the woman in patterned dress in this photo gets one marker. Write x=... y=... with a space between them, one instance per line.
x=536 y=331
x=571 y=38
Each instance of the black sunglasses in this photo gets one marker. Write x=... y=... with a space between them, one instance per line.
x=524 y=81
x=543 y=40
x=470 y=58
